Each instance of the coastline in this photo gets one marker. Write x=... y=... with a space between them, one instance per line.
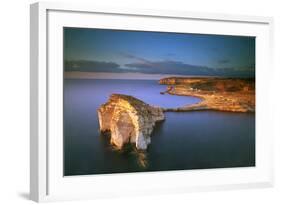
x=216 y=93
x=237 y=100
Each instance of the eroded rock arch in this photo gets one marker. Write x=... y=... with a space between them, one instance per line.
x=129 y=120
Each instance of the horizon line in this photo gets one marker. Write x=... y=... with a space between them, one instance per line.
x=124 y=76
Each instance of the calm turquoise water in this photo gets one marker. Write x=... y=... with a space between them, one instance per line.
x=190 y=140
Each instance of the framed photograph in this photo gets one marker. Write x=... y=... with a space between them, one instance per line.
x=127 y=102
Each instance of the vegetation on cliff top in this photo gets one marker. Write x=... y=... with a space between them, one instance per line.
x=223 y=94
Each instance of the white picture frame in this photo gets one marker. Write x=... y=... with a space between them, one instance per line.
x=47 y=182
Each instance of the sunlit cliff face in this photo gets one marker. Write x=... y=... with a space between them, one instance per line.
x=128 y=120
x=222 y=94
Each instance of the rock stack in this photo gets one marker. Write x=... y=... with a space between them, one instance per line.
x=128 y=120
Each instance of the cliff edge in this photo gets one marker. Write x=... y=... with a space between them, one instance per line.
x=222 y=94
x=128 y=120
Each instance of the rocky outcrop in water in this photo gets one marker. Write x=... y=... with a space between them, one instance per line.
x=128 y=120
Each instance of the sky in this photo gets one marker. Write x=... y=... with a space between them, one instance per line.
x=143 y=52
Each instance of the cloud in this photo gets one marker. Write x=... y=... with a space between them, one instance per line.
x=145 y=66
x=223 y=61
x=91 y=66
x=130 y=56
x=166 y=67
x=171 y=67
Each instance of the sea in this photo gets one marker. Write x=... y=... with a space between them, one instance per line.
x=184 y=141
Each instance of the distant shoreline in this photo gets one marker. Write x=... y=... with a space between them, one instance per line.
x=124 y=76
x=231 y=95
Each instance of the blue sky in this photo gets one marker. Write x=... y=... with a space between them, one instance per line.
x=100 y=50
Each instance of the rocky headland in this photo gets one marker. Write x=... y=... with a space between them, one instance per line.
x=128 y=120
x=222 y=94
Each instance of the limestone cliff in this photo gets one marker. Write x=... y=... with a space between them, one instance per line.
x=222 y=94
x=129 y=120
x=215 y=84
